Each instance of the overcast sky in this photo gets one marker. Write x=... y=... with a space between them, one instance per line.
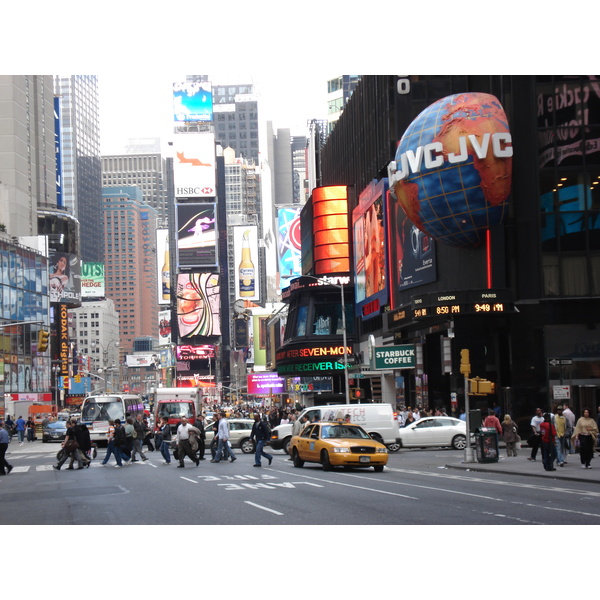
x=140 y=105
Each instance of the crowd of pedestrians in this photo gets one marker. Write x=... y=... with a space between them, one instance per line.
x=558 y=434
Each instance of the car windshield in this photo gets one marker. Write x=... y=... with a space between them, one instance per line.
x=175 y=409
x=57 y=425
x=343 y=432
x=102 y=410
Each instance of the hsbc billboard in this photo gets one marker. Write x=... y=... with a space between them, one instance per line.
x=194 y=165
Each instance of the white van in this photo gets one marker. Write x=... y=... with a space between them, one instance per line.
x=378 y=420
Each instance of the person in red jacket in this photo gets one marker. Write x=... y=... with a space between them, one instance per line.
x=548 y=443
x=492 y=421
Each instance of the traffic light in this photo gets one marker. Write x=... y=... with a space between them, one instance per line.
x=481 y=387
x=465 y=365
x=486 y=387
x=43 y=339
x=356 y=393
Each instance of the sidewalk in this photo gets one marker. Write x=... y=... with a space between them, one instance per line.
x=520 y=465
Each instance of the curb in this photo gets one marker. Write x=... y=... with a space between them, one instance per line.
x=482 y=469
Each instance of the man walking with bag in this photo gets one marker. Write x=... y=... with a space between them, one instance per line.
x=185 y=432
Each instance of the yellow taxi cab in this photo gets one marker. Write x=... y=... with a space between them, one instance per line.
x=337 y=443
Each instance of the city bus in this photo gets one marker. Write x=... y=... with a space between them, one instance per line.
x=98 y=409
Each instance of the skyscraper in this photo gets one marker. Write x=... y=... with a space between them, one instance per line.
x=81 y=168
x=130 y=259
x=146 y=171
x=28 y=166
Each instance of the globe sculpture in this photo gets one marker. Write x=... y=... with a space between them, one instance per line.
x=453 y=167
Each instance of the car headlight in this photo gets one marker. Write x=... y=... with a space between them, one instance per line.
x=341 y=449
x=381 y=450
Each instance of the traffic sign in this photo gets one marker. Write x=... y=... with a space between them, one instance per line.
x=560 y=362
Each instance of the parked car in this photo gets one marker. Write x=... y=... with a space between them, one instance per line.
x=337 y=444
x=240 y=430
x=434 y=431
x=55 y=431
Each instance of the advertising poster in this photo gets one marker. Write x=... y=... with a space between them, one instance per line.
x=192 y=101
x=370 y=263
x=289 y=244
x=198 y=305
x=194 y=165
x=92 y=280
x=245 y=248
x=164 y=327
x=163 y=265
x=411 y=253
x=196 y=235
x=64 y=278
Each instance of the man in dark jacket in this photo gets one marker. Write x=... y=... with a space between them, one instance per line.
x=199 y=424
x=82 y=435
x=260 y=436
x=140 y=431
x=120 y=438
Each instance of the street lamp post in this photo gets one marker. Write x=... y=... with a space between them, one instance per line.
x=104 y=367
x=344 y=339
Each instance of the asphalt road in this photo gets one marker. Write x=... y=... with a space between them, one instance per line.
x=416 y=488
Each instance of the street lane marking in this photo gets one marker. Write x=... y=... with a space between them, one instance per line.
x=263 y=508
x=358 y=487
x=188 y=479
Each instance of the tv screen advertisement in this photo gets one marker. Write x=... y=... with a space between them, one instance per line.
x=198 y=305
x=196 y=235
x=192 y=102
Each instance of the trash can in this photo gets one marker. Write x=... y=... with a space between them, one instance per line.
x=486 y=445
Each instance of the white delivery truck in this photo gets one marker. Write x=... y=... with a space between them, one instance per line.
x=377 y=419
x=175 y=403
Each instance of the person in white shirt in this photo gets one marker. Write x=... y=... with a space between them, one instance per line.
x=536 y=438
x=223 y=448
x=184 y=445
x=570 y=417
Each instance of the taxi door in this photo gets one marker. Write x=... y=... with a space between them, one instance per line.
x=306 y=442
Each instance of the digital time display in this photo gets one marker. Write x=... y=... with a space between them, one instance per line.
x=461 y=303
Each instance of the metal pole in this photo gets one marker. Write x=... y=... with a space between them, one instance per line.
x=341 y=286
x=468 y=449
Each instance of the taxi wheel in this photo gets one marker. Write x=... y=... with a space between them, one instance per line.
x=296 y=458
x=378 y=468
x=325 y=461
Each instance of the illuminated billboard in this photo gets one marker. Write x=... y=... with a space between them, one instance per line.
x=265 y=383
x=289 y=244
x=193 y=352
x=331 y=247
x=64 y=277
x=92 y=280
x=194 y=165
x=370 y=264
x=411 y=253
x=196 y=235
x=192 y=101
x=198 y=304
x=245 y=248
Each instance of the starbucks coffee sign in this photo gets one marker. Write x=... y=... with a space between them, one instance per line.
x=395 y=357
